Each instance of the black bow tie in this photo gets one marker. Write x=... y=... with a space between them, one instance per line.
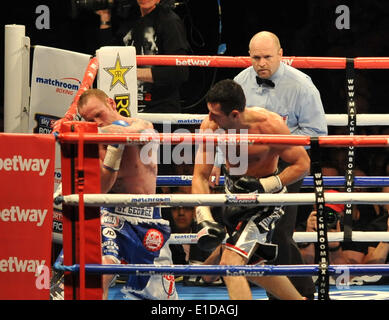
x=266 y=82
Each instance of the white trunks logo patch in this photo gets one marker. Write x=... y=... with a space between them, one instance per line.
x=153 y=240
x=244 y=199
x=144 y=212
x=109 y=220
x=168 y=285
x=109 y=233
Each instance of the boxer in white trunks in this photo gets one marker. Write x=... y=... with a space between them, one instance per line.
x=135 y=235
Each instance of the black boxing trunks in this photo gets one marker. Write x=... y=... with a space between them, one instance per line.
x=251 y=228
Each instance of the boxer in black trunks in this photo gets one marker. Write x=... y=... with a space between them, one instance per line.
x=250 y=229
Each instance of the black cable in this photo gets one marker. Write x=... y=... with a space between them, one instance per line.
x=219 y=38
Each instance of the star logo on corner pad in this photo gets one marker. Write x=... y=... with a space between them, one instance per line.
x=117 y=73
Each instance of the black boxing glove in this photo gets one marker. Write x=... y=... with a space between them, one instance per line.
x=210 y=235
x=232 y=215
x=248 y=184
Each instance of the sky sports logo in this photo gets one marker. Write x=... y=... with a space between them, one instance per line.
x=65 y=85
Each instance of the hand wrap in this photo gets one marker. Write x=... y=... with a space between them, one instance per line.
x=248 y=184
x=114 y=153
x=203 y=213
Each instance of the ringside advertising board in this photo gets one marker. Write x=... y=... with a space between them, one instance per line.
x=26 y=214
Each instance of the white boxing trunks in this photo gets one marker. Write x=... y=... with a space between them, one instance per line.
x=138 y=235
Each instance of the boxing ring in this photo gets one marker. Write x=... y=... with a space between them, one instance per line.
x=79 y=140
x=97 y=200
x=81 y=198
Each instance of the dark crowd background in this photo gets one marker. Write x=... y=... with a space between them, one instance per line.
x=305 y=28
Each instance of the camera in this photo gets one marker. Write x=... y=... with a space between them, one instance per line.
x=332 y=217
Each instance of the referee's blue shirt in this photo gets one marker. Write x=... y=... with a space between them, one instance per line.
x=294 y=97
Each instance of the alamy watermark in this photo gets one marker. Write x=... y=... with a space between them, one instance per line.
x=43 y=20
x=42 y=280
x=205 y=149
x=343 y=20
x=342 y=281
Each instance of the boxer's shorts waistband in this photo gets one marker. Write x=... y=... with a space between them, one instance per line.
x=136 y=212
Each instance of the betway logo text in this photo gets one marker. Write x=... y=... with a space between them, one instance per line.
x=192 y=62
x=18 y=163
x=13 y=264
x=17 y=214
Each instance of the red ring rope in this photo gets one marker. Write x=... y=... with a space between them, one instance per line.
x=191 y=138
x=87 y=82
x=244 y=62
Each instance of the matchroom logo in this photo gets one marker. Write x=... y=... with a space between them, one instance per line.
x=65 y=85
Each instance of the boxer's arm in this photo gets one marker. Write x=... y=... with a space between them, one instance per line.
x=204 y=161
x=296 y=156
x=299 y=164
x=107 y=177
x=111 y=157
x=135 y=125
x=201 y=174
x=211 y=233
x=249 y=184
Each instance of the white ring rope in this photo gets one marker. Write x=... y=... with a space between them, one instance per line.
x=332 y=119
x=170 y=200
x=357 y=236
x=241 y=199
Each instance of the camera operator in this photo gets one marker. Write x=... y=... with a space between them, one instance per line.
x=309 y=250
x=365 y=218
x=153 y=28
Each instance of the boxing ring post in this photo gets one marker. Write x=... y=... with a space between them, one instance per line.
x=16 y=78
x=81 y=225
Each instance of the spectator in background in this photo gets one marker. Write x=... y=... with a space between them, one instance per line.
x=182 y=220
x=309 y=250
x=156 y=30
x=379 y=254
x=365 y=218
x=349 y=252
x=329 y=168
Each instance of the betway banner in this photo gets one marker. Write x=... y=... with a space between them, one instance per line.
x=26 y=215
x=117 y=77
